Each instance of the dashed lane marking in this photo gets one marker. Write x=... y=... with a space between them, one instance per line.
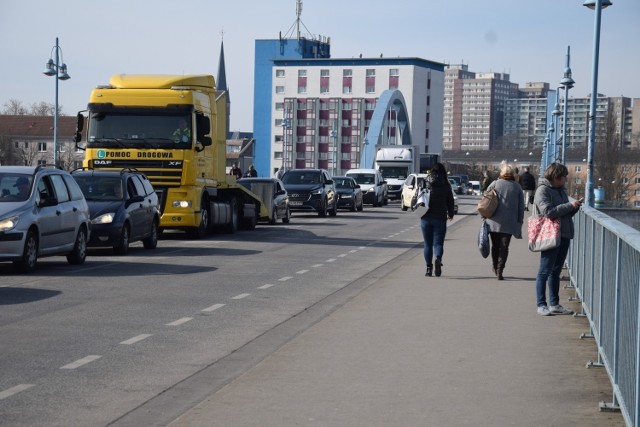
x=14 y=390
x=285 y=278
x=179 y=321
x=342 y=255
x=330 y=260
x=81 y=362
x=302 y=271
x=213 y=307
x=136 y=339
x=317 y=265
x=267 y=286
x=353 y=251
x=240 y=296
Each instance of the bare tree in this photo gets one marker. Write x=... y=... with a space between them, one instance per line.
x=613 y=173
x=43 y=109
x=28 y=153
x=14 y=107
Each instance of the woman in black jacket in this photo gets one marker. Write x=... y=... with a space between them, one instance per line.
x=434 y=222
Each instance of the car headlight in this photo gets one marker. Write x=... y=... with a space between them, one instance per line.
x=104 y=218
x=371 y=190
x=9 y=223
x=316 y=191
x=182 y=204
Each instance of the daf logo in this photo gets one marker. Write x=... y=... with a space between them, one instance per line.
x=101 y=154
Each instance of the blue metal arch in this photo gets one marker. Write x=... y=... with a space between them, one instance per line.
x=389 y=100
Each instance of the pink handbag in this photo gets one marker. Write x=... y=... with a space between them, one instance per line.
x=544 y=233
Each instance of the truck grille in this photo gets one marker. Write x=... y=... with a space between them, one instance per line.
x=161 y=173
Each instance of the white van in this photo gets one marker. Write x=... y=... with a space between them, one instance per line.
x=475 y=187
x=373 y=185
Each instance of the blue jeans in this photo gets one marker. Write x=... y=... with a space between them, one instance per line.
x=551 y=263
x=433 y=232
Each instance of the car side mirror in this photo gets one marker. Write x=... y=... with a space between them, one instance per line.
x=330 y=181
x=357 y=186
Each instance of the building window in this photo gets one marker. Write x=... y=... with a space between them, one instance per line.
x=279 y=106
x=324 y=73
x=279 y=89
x=347 y=73
x=42 y=162
x=302 y=89
x=42 y=147
x=279 y=73
x=578 y=169
x=346 y=89
x=393 y=72
x=302 y=73
x=370 y=72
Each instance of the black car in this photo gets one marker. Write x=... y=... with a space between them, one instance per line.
x=124 y=208
x=350 y=193
x=311 y=190
x=273 y=195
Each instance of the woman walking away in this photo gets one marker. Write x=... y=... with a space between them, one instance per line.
x=434 y=222
x=552 y=201
x=507 y=219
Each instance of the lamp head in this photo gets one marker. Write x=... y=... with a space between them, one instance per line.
x=63 y=73
x=567 y=81
x=49 y=68
x=591 y=4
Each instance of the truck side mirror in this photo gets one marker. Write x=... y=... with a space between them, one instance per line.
x=79 y=127
x=203 y=127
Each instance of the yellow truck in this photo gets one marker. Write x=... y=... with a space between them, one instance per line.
x=173 y=129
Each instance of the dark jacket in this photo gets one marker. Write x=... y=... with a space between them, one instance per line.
x=527 y=181
x=554 y=203
x=440 y=197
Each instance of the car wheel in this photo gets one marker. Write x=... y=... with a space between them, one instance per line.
x=287 y=216
x=79 y=253
x=29 y=255
x=323 y=209
x=353 y=206
x=334 y=211
x=122 y=247
x=402 y=205
x=274 y=216
x=361 y=206
x=152 y=241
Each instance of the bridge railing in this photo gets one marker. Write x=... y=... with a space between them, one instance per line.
x=604 y=267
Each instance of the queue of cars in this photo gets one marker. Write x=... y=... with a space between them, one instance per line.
x=46 y=211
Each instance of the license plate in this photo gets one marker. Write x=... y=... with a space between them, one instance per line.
x=295 y=203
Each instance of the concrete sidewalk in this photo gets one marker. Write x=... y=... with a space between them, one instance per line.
x=463 y=349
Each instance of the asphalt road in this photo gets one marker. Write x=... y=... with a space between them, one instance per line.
x=91 y=345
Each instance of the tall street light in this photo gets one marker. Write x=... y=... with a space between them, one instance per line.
x=598 y=5
x=567 y=82
x=60 y=72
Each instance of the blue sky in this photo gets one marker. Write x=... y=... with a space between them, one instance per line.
x=527 y=39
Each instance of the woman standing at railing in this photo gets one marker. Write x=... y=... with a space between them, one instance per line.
x=552 y=201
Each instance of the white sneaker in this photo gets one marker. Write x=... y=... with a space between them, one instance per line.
x=543 y=310
x=558 y=309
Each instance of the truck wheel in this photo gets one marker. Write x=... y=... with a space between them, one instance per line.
x=29 y=255
x=232 y=227
x=205 y=221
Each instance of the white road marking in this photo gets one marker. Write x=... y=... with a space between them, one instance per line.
x=285 y=278
x=80 y=362
x=342 y=255
x=179 y=321
x=136 y=339
x=213 y=307
x=302 y=271
x=267 y=286
x=361 y=247
x=241 y=296
x=330 y=260
x=14 y=390
x=353 y=251
x=317 y=265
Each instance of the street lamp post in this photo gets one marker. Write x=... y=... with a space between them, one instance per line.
x=60 y=72
x=597 y=5
x=567 y=82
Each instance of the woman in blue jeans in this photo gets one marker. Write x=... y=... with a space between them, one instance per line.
x=434 y=222
x=552 y=202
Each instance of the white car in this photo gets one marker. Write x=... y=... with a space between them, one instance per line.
x=411 y=185
x=413 y=182
x=475 y=188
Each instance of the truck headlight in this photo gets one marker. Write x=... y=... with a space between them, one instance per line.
x=103 y=219
x=7 y=224
x=182 y=204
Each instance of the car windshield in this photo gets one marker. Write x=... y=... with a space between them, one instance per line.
x=117 y=130
x=15 y=187
x=105 y=188
x=363 y=178
x=301 y=177
x=343 y=182
x=394 y=172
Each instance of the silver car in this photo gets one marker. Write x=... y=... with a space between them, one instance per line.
x=42 y=213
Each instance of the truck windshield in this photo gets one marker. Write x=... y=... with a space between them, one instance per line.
x=107 y=129
x=398 y=172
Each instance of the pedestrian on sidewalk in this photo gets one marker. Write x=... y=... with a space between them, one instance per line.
x=434 y=222
x=528 y=184
x=507 y=219
x=486 y=181
x=552 y=201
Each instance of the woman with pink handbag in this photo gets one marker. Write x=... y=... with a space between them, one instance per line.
x=551 y=201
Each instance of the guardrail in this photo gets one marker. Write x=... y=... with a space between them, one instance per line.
x=604 y=267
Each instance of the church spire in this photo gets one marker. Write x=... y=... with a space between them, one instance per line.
x=221 y=82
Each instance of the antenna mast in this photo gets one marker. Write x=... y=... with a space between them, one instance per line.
x=298 y=14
